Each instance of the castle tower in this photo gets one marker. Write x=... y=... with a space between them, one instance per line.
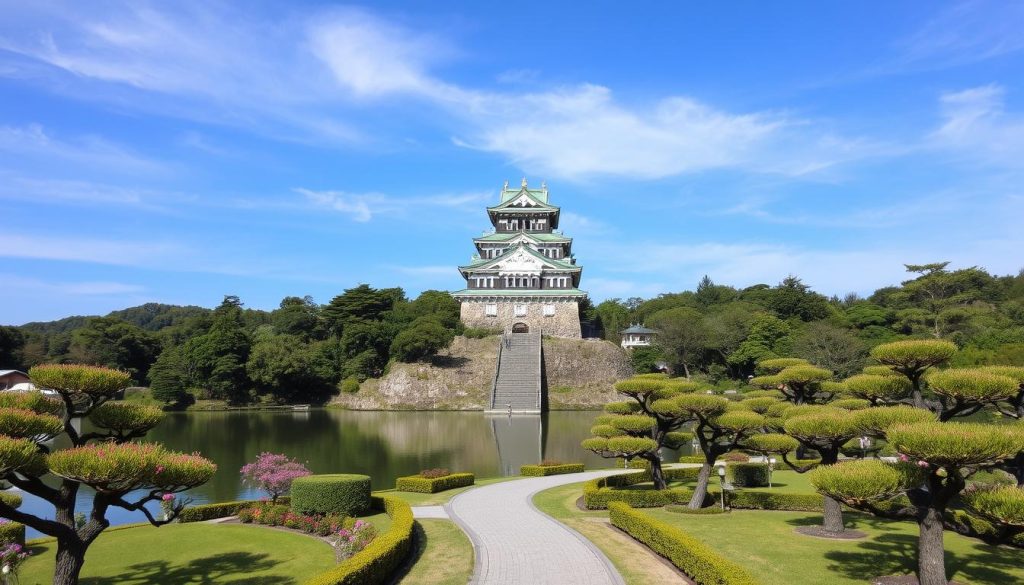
x=523 y=276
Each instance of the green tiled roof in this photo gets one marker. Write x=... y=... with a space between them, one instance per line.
x=559 y=264
x=540 y=195
x=540 y=237
x=487 y=292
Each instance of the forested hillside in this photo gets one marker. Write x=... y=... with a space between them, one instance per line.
x=305 y=352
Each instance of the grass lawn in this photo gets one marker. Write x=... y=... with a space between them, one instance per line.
x=766 y=544
x=443 y=556
x=191 y=553
x=440 y=498
x=635 y=562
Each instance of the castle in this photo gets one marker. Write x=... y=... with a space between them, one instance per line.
x=523 y=277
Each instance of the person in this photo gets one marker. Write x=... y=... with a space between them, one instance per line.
x=509 y=408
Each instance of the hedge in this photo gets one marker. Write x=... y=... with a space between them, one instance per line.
x=698 y=560
x=679 y=509
x=340 y=493
x=751 y=500
x=11 y=499
x=206 y=512
x=543 y=470
x=12 y=532
x=380 y=559
x=598 y=493
x=424 y=485
x=693 y=459
x=621 y=463
x=748 y=474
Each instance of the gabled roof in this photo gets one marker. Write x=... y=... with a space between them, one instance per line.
x=637 y=329
x=9 y=372
x=538 y=194
x=548 y=262
x=523 y=200
x=539 y=237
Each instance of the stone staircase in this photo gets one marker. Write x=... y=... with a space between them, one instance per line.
x=517 y=381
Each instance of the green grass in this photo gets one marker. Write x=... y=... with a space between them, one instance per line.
x=191 y=553
x=440 y=498
x=766 y=544
x=443 y=556
x=784 y=481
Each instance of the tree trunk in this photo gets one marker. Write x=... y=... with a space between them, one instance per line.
x=70 y=558
x=833 y=518
x=657 y=476
x=931 y=554
x=686 y=371
x=916 y=394
x=700 y=492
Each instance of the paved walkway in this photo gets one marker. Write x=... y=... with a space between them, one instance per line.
x=515 y=543
x=429 y=512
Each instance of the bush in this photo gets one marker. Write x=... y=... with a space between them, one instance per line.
x=480 y=332
x=377 y=562
x=598 y=493
x=350 y=385
x=698 y=560
x=431 y=485
x=678 y=509
x=12 y=532
x=735 y=457
x=748 y=474
x=347 y=494
x=435 y=472
x=11 y=499
x=544 y=470
x=748 y=500
x=633 y=464
x=692 y=459
x=219 y=510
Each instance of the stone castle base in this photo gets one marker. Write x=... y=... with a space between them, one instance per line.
x=558 y=318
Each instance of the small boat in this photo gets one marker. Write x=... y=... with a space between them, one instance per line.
x=300 y=407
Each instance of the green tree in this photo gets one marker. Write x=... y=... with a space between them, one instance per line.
x=423 y=338
x=107 y=460
x=12 y=340
x=110 y=342
x=831 y=347
x=168 y=378
x=613 y=317
x=361 y=303
x=298 y=316
x=912 y=358
x=769 y=337
x=290 y=370
x=682 y=335
x=218 y=357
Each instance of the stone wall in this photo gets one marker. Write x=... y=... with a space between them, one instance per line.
x=564 y=323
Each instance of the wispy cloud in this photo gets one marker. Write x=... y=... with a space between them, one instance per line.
x=962 y=33
x=977 y=127
x=362 y=207
x=34 y=141
x=80 y=249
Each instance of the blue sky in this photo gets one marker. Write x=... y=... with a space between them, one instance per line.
x=180 y=151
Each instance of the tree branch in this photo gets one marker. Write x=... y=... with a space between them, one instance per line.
x=34 y=486
x=49 y=527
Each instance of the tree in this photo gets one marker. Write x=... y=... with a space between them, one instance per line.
x=106 y=460
x=273 y=473
x=12 y=340
x=218 y=357
x=361 y=303
x=645 y=359
x=614 y=317
x=423 y=338
x=940 y=458
x=913 y=358
x=831 y=347
x=682 y=335
x=168 y=379
x=290 y=370
x=768 y=338
x=639 y=427
x=799 y=382
x=298 y=316
x=105 y=341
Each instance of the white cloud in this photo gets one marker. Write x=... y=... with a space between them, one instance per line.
x=84 y=288
x=108 y=251
x=962 y=33
x=91 y=151
x=362 y=207
x=976 y=126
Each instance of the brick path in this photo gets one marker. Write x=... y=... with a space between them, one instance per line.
x=515 y=543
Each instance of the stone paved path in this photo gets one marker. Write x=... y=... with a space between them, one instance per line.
x=429 y=512
x=515 y=543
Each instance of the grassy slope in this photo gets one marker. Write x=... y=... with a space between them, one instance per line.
x=192 y=553
x=765 y=543
x=637 y=564
x=444 y=555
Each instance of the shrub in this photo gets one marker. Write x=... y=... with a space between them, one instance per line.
x=633 y=464
x=750 y=500
x=350 y=385
x=431 y=485
x=480 y=332
x=381 y=558
x=677 y=509
x=698 y=560
x=748 y=474
x=692 y=459
x=347 y=494
x=12 y=532
x=273 y=473
x=598 y=493
x=544 y=470
x=220 y=510
x=735 y=457
x=551 y=462
x=435 y=473
x=11 y=499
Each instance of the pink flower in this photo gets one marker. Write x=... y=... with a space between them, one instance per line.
x=922 y=464
x=167 y=497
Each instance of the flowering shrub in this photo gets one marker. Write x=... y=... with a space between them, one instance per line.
x=435 y=473
x=551 y=463
x=273 y=473
x=11 y=557
x=353 y=537
x=270 y=514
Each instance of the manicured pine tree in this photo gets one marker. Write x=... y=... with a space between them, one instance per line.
x=942 y=455
x=1013 y=407
x=106 y=460
x=913 y=358
x=639 y=427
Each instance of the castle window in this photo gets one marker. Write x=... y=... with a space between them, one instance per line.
x=520 y=310
x=549 y=310
x=491 y=310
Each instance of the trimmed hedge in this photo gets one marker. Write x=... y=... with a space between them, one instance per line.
x=698 y=560
x=340 y=493
x=621 y=463
x=692 y=459
x=748 y=474
x=678 y=509
x=424 y=485
x=12 y=532
x=206 y=512
x=544 y=470
x=380 y=559
x=598 y=493
x=749 y=500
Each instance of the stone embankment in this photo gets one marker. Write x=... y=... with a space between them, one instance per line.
x=579 y=373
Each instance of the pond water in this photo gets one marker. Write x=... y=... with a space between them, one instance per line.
x=383 y=445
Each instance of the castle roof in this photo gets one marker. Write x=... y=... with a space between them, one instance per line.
x=519 y=292
x=523 y=200
x=507 y=254
x=539 y=237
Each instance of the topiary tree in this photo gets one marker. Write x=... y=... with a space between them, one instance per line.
x=273 y=473
x=1013 y=407
x=105 y=460
x=799 y=382
x=913 y=358
x=639 y=427
x=941 y=456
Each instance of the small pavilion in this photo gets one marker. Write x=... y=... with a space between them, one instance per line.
x=637 y=336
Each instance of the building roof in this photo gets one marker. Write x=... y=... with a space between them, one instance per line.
x=9 y=372
x=518 y=292
x=538 y=236
x=538 y=194
x=553 y=263
x=637 y=329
